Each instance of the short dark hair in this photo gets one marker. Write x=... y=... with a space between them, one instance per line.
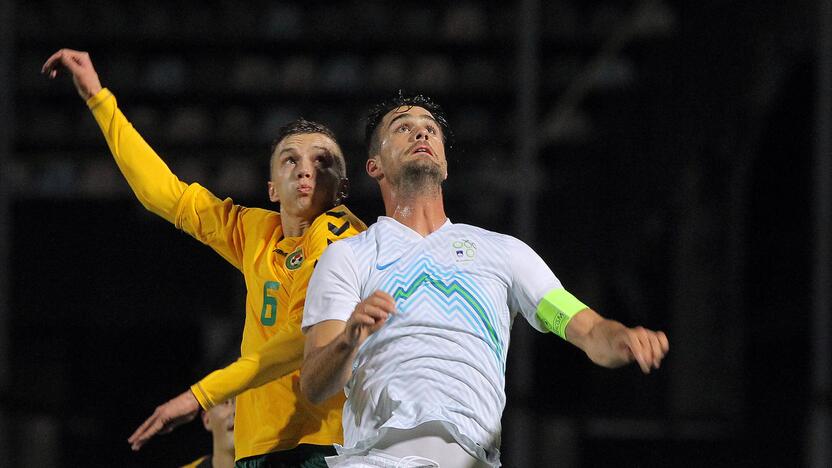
x=302 y=126
x=377 y=113
x=299 y=127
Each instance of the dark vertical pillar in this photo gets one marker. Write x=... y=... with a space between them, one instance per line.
x=6 y=129
x=819 y=451
x=520 y=422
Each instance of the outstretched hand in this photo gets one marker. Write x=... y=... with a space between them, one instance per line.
x=177 y=411
x=79 y=65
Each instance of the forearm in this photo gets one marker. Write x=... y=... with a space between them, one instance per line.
x=280 y=356
x=327 y=369
x=594 y=334
x=156 y=187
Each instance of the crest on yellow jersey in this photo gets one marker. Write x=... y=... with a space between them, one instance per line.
x=295 y=259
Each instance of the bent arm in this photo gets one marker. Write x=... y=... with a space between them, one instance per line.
x=281 y=355
x=331 y=346
x=327 y=360
x=149 y=177
x=191 y=208
x=610 y=344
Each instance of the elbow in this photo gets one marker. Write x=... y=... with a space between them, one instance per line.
x=147 y=204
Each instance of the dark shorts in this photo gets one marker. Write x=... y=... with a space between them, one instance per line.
x=302 y=456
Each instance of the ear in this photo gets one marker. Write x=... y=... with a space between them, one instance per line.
x=273 y=195
x=374 y=168
x=206 y=420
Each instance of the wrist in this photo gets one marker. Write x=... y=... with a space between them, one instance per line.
x=349 y=339
x=90 y=92
x=189 y=400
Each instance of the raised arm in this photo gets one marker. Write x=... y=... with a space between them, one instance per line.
x=610 y=344
x=331 y=346
x=156 y=187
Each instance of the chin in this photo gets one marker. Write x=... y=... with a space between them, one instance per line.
x=422 y=173
x=308 y=208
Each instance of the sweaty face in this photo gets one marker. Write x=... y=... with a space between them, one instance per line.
x=411 y=149
x=306 y=173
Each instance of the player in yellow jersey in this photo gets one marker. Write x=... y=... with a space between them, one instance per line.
x=219 y=421
x=275 y=425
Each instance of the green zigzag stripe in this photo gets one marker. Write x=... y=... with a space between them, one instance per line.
x=447 y=290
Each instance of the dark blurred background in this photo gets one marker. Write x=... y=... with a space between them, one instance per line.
x=670 y=160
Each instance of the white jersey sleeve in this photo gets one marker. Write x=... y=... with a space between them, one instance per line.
x=531 y=279
x=334 y=289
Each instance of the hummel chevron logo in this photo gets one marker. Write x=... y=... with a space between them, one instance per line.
x=338 y=230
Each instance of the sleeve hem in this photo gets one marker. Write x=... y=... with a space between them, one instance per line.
x=201 y=396
x=98 y=98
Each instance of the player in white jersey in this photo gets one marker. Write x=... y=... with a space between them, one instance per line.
x=412 y=317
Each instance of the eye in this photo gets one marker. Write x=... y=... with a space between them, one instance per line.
x=431 y=129
x=324 y=160
x=403 y=128
x=290 y=160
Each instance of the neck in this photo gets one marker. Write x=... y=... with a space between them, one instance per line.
x=222 y=457
x=424 y=213
x=294 y=225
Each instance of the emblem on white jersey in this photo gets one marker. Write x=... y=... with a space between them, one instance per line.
x=294 y=259
x=464 y=250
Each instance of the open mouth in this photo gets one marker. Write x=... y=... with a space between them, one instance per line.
x=422 y=149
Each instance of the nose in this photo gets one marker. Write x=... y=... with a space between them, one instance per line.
x=303 y=169
x=422 y=133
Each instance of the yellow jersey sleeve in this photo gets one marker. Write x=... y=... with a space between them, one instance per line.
x=280 y=355
x=192 y=208
x=220 y=224
x=156 y=187
x=335 y=224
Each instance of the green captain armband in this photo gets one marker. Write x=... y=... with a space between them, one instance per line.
x=557 y=308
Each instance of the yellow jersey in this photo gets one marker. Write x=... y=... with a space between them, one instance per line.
x=273 y=415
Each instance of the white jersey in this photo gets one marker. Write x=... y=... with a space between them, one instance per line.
x=442 y=356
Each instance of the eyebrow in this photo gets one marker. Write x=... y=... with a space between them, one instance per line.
x=406 y=115
x=295 y=150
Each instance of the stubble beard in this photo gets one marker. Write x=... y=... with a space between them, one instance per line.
x=418 y=179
